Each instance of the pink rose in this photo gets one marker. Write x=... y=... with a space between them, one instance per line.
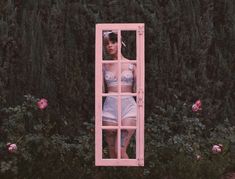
x=197 y=106
x=42 y=103
x=12 y=148
x=217 y=148
x=198 y=103
x=220 y=145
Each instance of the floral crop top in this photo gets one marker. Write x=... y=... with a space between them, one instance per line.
x=127 y=77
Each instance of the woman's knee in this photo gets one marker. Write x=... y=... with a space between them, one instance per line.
x=111 y=137
x=131 y=121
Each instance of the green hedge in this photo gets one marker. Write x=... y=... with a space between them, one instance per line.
x=47 y=49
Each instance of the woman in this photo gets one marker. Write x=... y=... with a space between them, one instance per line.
x=128 y=104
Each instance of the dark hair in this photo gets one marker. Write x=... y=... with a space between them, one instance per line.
x=113 y=37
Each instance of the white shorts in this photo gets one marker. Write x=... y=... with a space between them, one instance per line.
x=110 y=110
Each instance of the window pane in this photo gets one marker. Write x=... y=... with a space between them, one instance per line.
x=128 y=143
x=128 y=77
x=110 y=111
x=109 y=146
x=110 y=77
x=128 y=44
x=110 y=44
x=129 y=111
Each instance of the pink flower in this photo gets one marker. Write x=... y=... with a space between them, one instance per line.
x=12 y=148
x=42 y=103
x=217 y=148
x=221 y=147
x=197 y=106
x=198 y=103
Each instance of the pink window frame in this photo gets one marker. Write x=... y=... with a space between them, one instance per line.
x=139 y=161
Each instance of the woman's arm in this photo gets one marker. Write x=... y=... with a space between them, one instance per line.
x=134 y=82
x=103 y=85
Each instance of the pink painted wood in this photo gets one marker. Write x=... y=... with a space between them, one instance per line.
x=139 y=160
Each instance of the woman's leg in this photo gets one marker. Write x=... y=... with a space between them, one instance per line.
x=126 y=135
x=110 y=137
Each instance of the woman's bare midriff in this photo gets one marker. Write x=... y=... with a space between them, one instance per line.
x=124 y=89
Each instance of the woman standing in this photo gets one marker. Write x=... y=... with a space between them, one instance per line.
x=128 y=104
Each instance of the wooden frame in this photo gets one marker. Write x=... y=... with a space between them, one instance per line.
x=139 y=94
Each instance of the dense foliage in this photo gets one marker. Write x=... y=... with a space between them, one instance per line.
x=47 y=49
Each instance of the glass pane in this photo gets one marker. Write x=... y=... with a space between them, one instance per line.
x=109 y=146
x=110 y=44
x=129 y=111
x=110 y=111
x=128 y=77
x=110 y=77
x=128 y=144
x=128 y=44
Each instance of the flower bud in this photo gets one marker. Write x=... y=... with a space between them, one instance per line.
x=216 y=149
x=11 y=147
x=42 y=104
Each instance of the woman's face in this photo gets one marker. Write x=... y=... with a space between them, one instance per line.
x=111 y=47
